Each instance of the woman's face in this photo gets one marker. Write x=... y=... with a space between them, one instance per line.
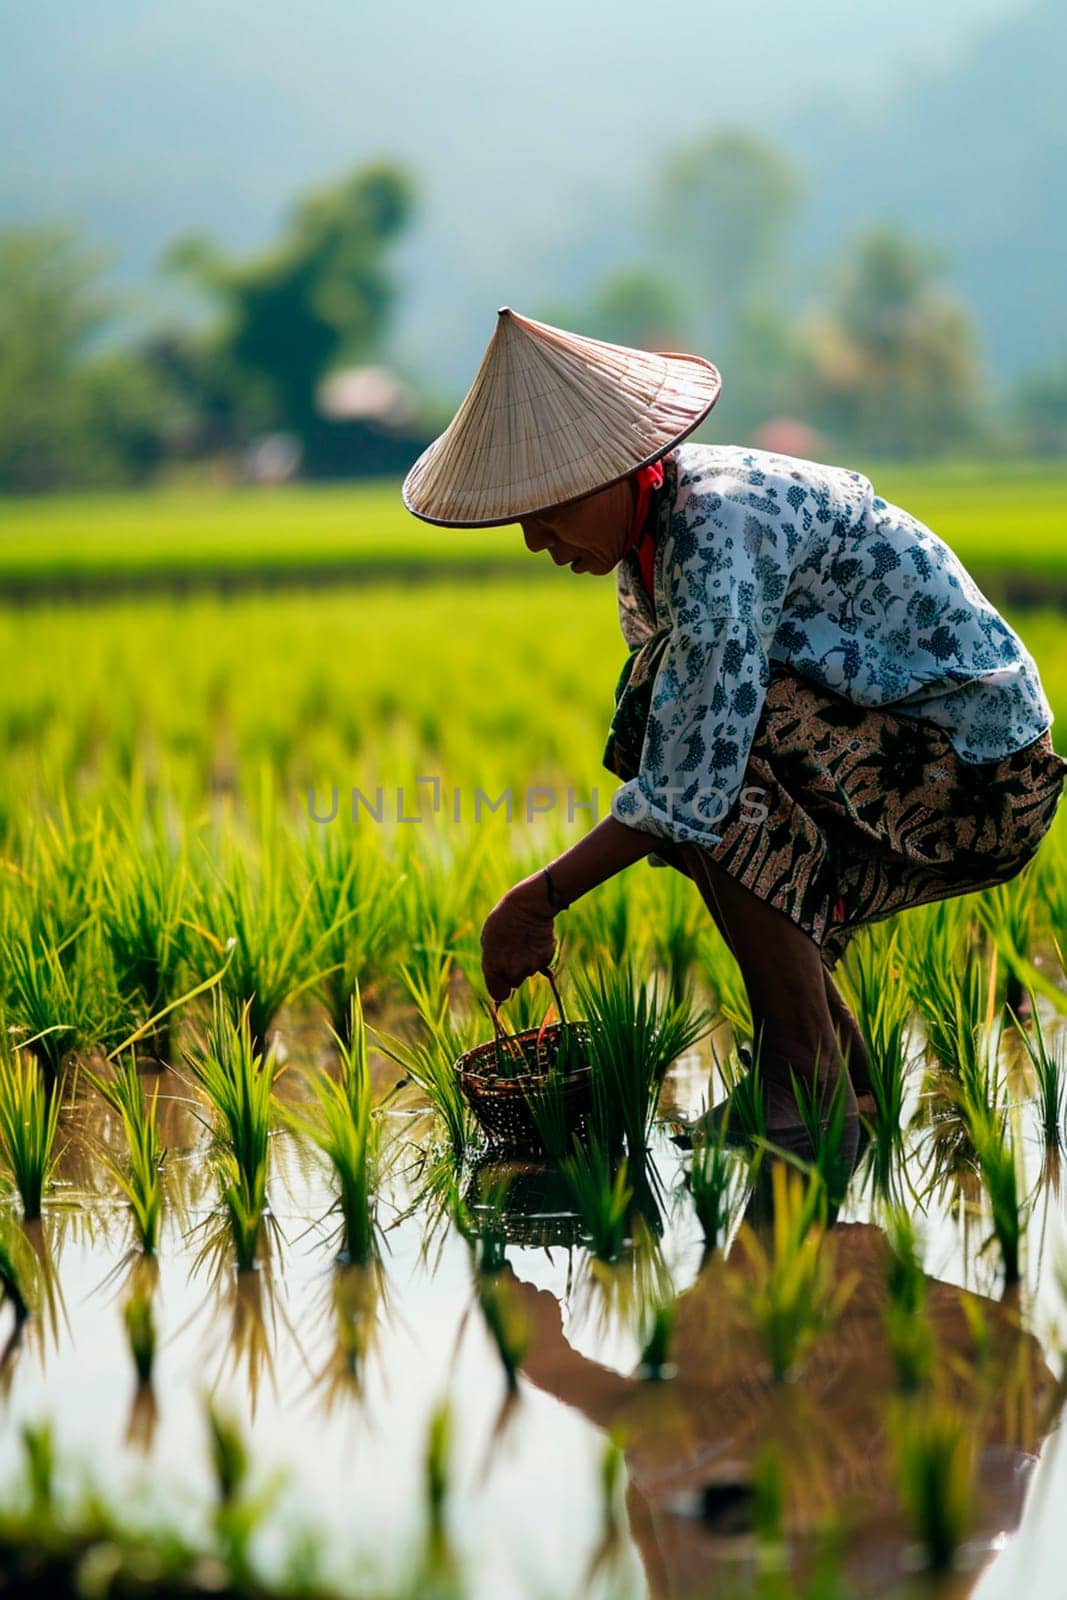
x=589 y=535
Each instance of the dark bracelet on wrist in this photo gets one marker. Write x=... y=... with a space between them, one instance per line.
x=553 y=897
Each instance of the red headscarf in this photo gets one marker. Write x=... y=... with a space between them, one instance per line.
x=642 y=539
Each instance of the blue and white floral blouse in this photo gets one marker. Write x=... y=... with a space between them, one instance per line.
x=767 y=558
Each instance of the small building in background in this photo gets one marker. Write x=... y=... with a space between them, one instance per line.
x=786 y=436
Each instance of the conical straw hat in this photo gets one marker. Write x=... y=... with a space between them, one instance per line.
x=552 y=416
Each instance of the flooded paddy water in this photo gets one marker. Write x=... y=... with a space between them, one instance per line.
x=332 y=1372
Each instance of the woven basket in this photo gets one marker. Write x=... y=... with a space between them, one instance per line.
x=502 y=1101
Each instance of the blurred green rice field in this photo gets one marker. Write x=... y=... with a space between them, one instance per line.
x=1010 y=518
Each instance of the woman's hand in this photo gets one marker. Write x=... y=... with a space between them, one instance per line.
x=518 y=937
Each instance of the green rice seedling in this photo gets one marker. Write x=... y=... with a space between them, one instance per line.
x=429 y=1061
x=18 y=1273
x=832 y=1137
x=603 y=1195
x=141 y=1178
x=237 y=1513
x=998 y=1162
x=746 y=1111
x=656 y=1364
x=677 y=939
x=908 y=1328
x=787 y=1287
x=352 y=920
x=635 y=1035
x=341 y=1123
x=244 y=1203
x=870 y=979
x=935 y=1449
x=146 y=884
x=1049 y=1072
x=141 y=1333
x=712 y=1181
x=724 y=977
x=39 y=1453
x=60 y=997
x=29 y=1119
x=238 y=1082
x=259 y=915
x=435 y=907
x=438 y=1562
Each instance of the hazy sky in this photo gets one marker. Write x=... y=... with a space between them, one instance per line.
x=523 y=124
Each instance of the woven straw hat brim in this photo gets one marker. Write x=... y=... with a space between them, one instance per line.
x=551 y=417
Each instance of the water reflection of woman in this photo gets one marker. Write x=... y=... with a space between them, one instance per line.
x=692 y=1443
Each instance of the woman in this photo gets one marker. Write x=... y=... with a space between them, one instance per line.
x=821 y=721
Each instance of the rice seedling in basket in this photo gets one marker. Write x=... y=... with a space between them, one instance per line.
x=634 y=1036
x=340 y=1121
x=29 y=1119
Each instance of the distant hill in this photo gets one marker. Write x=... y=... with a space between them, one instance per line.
x=975 y=157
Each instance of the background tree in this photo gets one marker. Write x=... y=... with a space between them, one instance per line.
x=319 y=297
x=69 y=411
x=724 y=212
x=891 y=365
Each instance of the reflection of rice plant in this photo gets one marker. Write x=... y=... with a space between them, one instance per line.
x=935 y=1456
x=141 y=1333
x=635 y=1036
x=341 y=1123
x=603 y=1195
x=140 y=1180
x=658 y=1336
x=438 y=1561
x=1048 y=1066
x=29 y=1118
x=908 y=1328
x=788 y=1288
